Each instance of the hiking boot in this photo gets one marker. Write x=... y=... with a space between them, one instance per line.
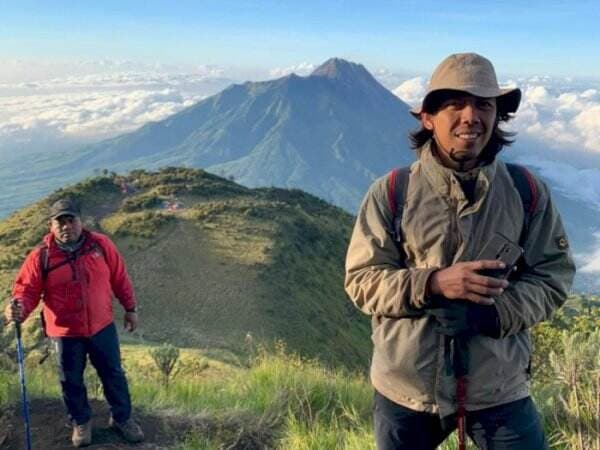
x=82 y=434
x=130 y=430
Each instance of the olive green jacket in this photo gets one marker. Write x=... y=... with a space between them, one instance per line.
x=440 y=228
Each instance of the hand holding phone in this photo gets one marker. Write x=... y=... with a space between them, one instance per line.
x=501 y=248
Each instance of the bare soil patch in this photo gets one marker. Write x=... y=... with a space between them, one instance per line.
x=50 y=429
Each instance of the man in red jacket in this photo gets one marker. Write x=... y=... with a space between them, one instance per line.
x=76 y=272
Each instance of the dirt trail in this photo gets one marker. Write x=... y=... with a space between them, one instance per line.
x=50 y=429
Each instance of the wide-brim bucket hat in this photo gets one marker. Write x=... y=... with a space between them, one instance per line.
x=473 y=74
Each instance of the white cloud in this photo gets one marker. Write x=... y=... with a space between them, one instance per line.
x=123 y=81
x=582 y=184
x=388 y=78
x=554 y=131
x=559 y=115
x=411 y=91
x=301 y=69
x=591 y=263
x=588 y=123
x=591 y=94
x=93 y=114
x=536 y=95
x=30 y=72
x=38 y=114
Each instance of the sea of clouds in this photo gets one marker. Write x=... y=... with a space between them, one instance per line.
x=59 y=107
x=93 y=101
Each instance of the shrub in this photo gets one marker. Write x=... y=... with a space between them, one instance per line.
x=571 y=396
x=140 y=202
x=165 y=357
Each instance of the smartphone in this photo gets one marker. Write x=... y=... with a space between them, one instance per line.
x=502 y=248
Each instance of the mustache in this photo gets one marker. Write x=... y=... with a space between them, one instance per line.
x=477 y=129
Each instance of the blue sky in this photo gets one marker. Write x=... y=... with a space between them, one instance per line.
x=520 y=37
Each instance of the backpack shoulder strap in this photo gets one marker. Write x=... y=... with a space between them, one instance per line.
x=43 y=261
x=47 y=268
x=527 y=188
x=397 y=189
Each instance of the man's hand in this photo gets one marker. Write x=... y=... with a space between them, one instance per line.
x=130 y=321
x=13 y=312
x=462 y=281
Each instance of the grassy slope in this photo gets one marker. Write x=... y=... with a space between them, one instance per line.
x=277 y=400
x=232 y=261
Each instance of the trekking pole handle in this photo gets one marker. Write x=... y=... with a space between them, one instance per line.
x=13 y=302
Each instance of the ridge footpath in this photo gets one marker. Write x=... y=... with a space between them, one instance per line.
x=215 y=263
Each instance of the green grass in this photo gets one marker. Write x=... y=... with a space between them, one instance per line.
x=280 y=398
x=570 y=399
x=282 y=401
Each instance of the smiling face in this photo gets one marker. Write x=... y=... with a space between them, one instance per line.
x=66 y=229
x=462 y=125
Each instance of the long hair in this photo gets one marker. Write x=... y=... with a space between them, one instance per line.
x=498 y=140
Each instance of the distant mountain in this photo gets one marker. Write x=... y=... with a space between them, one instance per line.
x=214 y=262
x=330 y=133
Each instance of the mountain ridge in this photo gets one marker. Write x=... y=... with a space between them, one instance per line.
x=213 y=262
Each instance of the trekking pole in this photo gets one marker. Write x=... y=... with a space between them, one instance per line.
x=24 y=400
x=461 y=367
x=457 y=363
x=461 y=419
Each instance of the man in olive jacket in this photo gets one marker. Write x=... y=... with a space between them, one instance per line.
x=428 y=288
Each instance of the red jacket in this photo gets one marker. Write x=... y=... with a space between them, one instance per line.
x=77 y=296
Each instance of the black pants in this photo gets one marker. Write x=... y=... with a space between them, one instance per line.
x=513 y=426
x=104 y=353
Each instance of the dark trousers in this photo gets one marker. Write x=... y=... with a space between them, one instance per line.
x=104 y=353
x=512 y=426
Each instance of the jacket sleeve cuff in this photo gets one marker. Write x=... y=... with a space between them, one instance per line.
x=419 y=281
x=128 y=302
x=26 y=306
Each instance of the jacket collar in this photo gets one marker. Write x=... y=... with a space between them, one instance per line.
x=50 y=242
x=446 y=181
